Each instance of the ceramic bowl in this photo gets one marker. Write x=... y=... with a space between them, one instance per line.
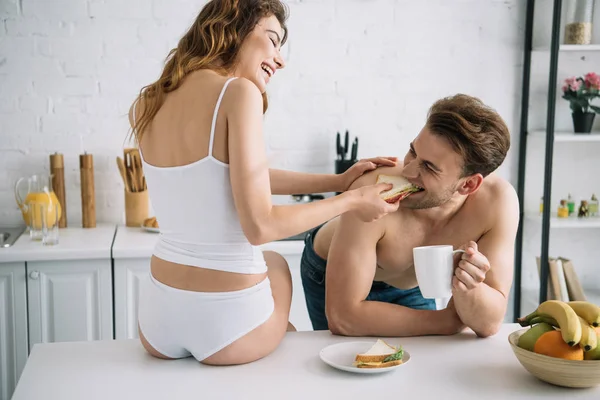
x=557 y=371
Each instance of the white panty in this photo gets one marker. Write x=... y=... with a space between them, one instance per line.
x=179 y=323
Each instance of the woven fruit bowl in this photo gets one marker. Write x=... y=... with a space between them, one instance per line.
x=557 y=371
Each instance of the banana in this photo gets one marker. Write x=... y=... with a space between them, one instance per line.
x=544 y=318
x=586 y=310
x=589 y=340
x=565 y=316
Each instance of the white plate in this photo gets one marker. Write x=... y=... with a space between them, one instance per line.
x=150 y=229
x=342 y=355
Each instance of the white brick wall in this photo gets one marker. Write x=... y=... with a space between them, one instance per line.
x=69 y=70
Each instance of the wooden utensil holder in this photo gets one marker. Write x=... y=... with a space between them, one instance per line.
x=136 y=208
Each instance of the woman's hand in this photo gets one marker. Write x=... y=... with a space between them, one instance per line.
x=362 y=166
x=370 y=206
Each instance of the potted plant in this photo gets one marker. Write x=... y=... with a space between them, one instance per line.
x=579 y=91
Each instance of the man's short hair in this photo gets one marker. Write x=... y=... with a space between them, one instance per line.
x=475 y=131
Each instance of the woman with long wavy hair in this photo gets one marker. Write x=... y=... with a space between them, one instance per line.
x=211 y=292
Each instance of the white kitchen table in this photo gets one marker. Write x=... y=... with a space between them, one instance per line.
x=443 y=367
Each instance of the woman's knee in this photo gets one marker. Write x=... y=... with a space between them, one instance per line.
x=277 y=266
x=275 y=260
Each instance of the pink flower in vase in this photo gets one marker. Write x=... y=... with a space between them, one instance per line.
x=572 y=84
x=592 y=80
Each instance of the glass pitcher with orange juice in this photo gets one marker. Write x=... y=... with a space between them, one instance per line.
x=39 y=192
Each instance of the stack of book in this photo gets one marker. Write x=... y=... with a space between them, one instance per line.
x=563 y=283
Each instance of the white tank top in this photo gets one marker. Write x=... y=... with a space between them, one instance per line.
x=194 y=208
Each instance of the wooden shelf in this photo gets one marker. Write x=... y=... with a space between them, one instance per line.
x=571 y=137
x=571 y=222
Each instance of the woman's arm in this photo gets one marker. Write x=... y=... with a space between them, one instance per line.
x=290 y=182
x=261 y=221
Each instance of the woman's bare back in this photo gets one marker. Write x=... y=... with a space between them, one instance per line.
x=179 y=135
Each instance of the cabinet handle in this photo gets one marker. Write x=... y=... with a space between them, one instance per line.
x=34 y=274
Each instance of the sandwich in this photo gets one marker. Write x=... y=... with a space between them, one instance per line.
x=401 y=190
x=380 y=355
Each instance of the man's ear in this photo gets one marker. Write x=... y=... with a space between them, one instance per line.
x=471 y=184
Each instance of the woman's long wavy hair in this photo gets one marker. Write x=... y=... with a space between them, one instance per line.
x=213 y=41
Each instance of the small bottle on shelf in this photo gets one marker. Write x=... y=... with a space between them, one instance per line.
x=593 y=206
x=563 y=210
x=571 y=204
x=541 y=205
x=584 y=210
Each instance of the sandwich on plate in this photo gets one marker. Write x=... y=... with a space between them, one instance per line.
x=401 y=190
x=380 y=355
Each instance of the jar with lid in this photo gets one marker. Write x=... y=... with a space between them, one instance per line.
x=593 y=206
x=563 y=210
x=571 y=204
x=578 y=21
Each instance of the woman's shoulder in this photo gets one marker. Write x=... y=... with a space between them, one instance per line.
x=243 y=88
x=242 y=93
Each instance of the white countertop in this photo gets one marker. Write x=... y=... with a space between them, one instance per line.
x=444 y=367
x=79 y=243
x=139 y=243
x=74 y=243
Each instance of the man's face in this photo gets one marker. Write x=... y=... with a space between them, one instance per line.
x=433 y=164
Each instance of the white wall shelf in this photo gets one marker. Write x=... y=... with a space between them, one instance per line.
x=571 y=137
x=572 y=47
x=580 y=47
x=571 y=222
x=530 y=298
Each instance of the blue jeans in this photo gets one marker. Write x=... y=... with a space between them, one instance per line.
x=312 y=271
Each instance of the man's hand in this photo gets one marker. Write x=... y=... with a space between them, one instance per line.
x=471 y=270
x=362 y=166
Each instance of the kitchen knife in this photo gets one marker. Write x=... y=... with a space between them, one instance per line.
x=354 y=149
x=346 y=147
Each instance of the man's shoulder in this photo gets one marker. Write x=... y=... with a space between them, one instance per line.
x=499 y=189
x=370 y=178
x=498 y=196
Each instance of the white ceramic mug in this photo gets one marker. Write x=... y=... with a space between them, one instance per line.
x=434 y=268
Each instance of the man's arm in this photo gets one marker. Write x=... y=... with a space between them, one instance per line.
x=351 y=266
x=482 y=306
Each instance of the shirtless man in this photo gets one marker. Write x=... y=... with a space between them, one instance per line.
x=359 y=278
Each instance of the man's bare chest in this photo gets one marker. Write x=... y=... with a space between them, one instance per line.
x=395 y=250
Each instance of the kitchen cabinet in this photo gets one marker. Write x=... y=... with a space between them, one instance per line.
x=69 y=300
x=53 y=294
x=131 y=252
x=128 y=273
x=13 y=326
x=69 y=285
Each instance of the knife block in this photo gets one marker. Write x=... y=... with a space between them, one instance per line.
x=342 y=166
x=136 y=208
